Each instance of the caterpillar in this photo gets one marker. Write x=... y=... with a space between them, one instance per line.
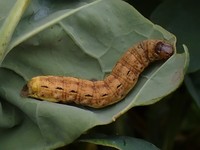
x=101 y=93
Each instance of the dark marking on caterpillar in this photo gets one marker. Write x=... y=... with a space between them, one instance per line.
x=88 y=95
x=44 y=86
x=72 y=91
x=101 y=93
x=59 y=88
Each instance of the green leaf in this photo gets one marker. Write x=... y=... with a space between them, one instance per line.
x=121 y=142
x=11 y=21
x=82 y=40
x=182 y=19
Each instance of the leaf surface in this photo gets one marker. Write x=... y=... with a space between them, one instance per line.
x=121 y=142
x=80 y=39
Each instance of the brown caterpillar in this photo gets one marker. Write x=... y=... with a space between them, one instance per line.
x=98 y=94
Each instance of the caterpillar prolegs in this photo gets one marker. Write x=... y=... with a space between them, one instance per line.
x=113 y=88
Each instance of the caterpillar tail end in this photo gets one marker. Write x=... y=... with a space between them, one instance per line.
x=29 y=89
x=24 y=92
x=35 y=89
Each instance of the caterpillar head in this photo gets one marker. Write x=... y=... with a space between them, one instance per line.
x=164 y=50
x=158 y=49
